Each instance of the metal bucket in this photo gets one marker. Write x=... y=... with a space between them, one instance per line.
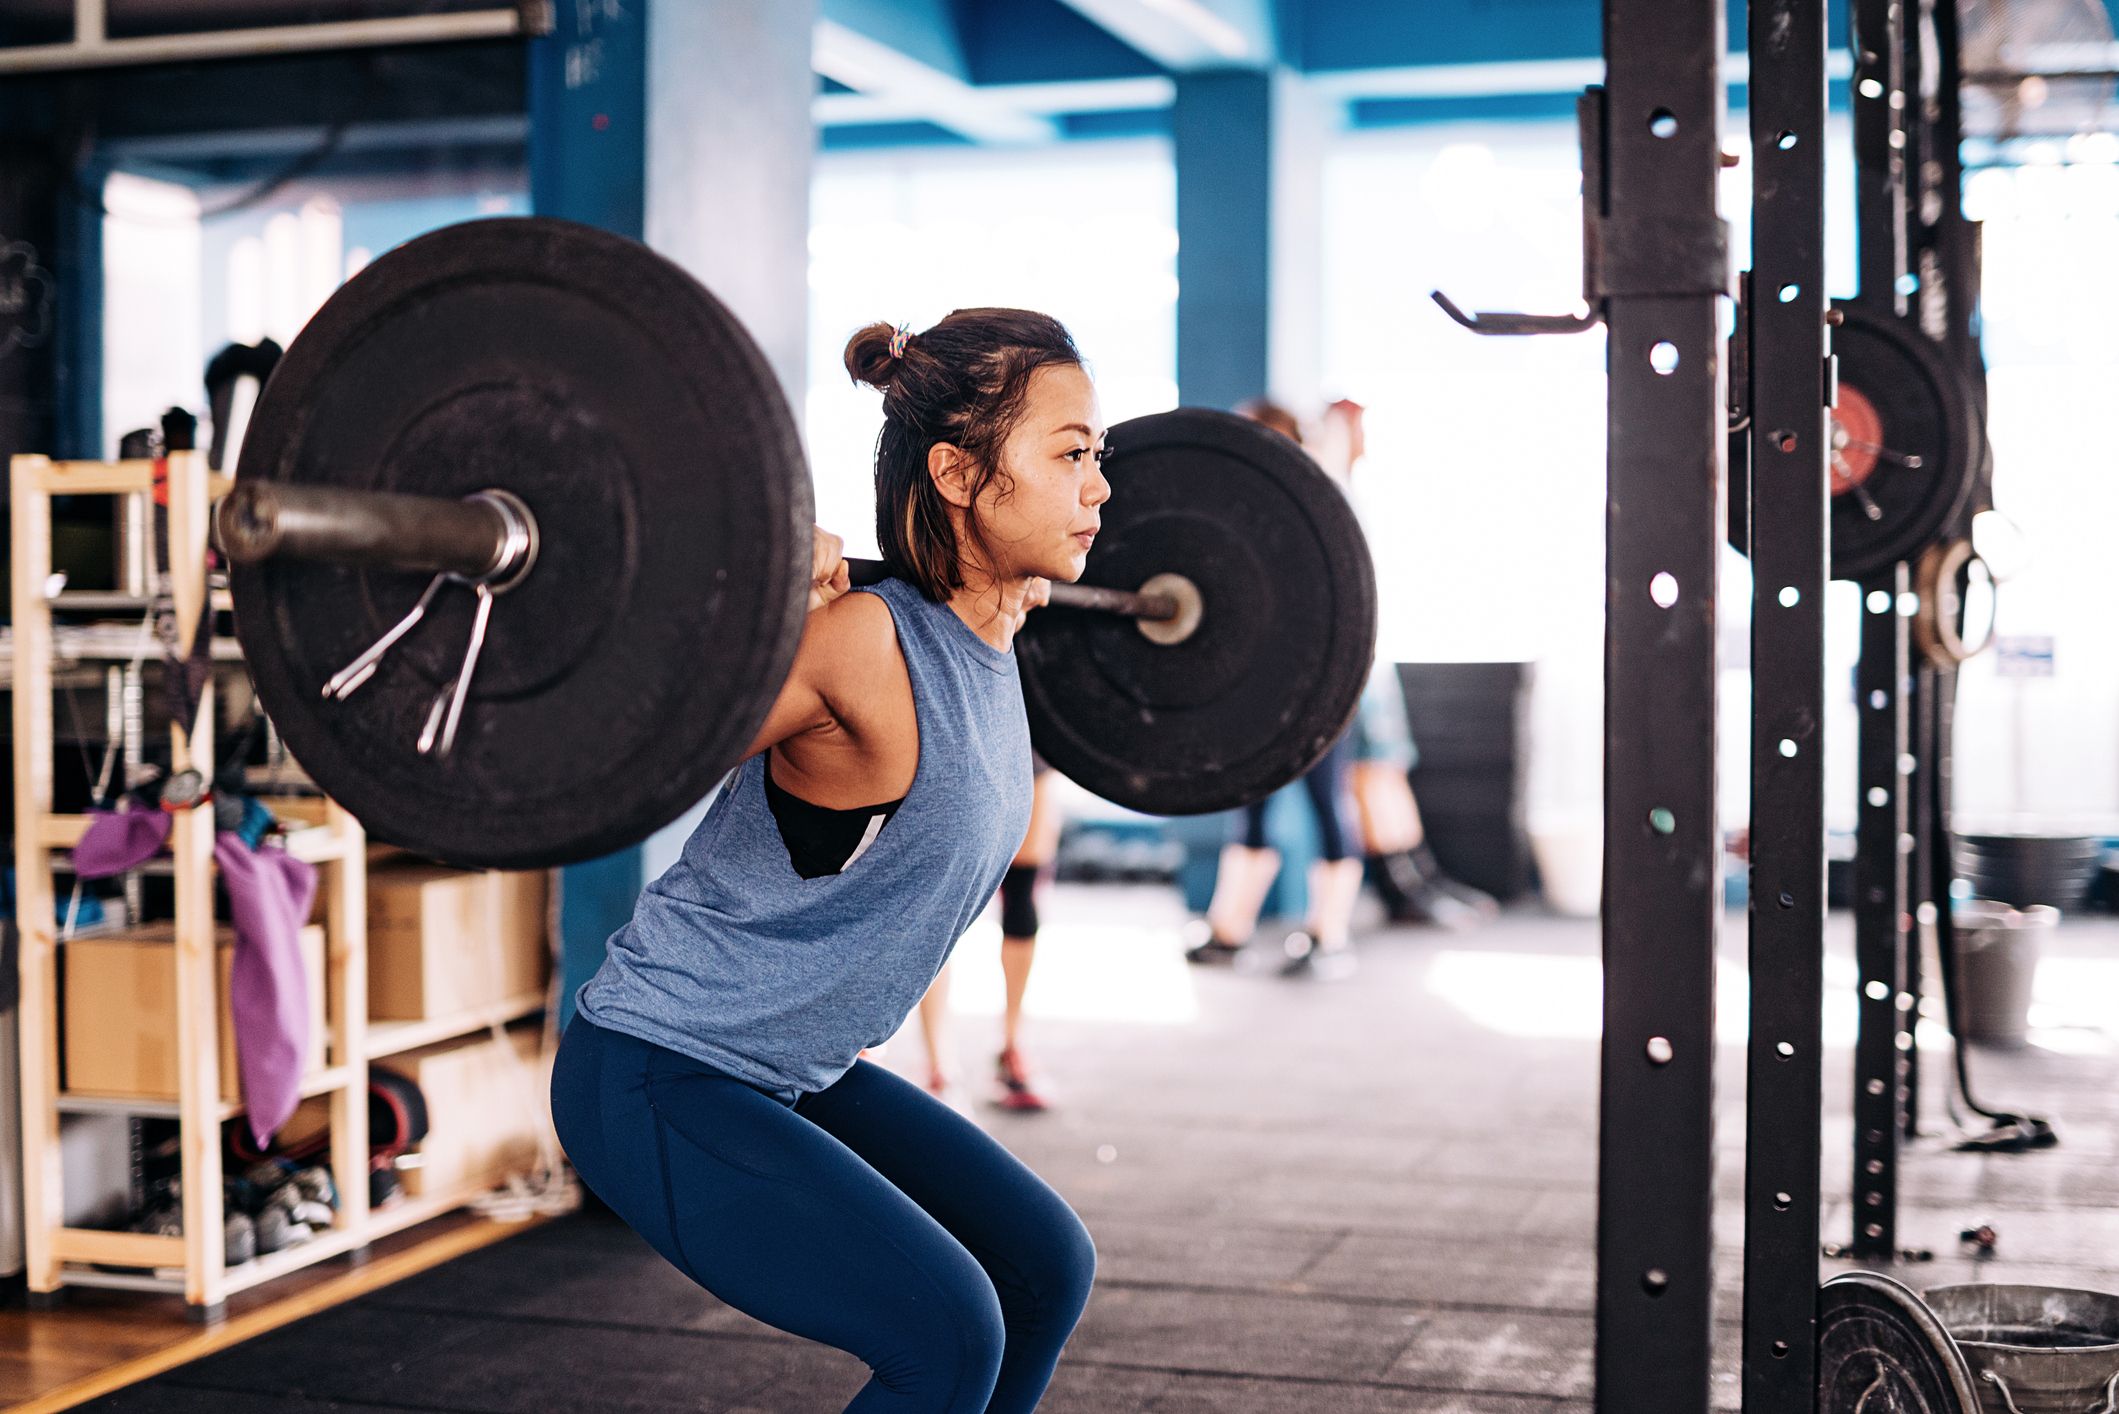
x=1997 y=954
x=2035 y=1349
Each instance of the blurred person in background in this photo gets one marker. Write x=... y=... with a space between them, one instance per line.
x=1021 y=886
x=1244 y=875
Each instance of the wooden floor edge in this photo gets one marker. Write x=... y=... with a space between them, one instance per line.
x=376 y=1274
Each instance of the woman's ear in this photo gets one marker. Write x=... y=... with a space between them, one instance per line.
x=952 y=471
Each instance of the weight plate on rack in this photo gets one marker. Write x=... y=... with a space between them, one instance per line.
x=1908 y=446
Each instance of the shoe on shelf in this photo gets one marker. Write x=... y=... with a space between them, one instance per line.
x=1018 y=1091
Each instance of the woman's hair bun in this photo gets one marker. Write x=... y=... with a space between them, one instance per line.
x=868 y=356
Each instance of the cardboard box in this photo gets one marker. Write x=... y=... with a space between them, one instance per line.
x=121 y=1012
x=444 y=941
x=486 y=1108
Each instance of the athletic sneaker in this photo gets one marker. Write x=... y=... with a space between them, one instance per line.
x=1017 y=1090
x=1204 y=948
x=1479 y=901
x=1307 y=958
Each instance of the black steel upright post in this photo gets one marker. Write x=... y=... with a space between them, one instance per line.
x=1879 y=39
x=1664 y=271
x=1789 y=547
x=1907 y=205
x=1920 y=881
x=1881 y=915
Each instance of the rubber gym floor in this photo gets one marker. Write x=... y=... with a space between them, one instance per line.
x=1370 y=1195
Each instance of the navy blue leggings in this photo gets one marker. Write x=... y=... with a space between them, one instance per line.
x=869 y=1216
x=1325 y=784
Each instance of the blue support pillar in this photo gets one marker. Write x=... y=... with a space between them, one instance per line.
x=685 y=124
x=1247 y=145
x=1221 y=129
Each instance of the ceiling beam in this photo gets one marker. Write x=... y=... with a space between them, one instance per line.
x=92 y=48
x=1043 y=99
x=1182 y=35
x=921 y=91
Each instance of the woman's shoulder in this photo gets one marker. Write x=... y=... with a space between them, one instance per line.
x=855 y=638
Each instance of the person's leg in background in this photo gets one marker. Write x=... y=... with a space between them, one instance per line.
x=1243 y=877
x=934 y=1035
x=1399 y=862
x=1325 y=944
x=1019 y=927
x=1025 y=879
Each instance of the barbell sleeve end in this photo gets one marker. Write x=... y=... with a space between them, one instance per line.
x=488 y=538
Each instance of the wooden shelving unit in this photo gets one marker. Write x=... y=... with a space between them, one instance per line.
x=326 y=835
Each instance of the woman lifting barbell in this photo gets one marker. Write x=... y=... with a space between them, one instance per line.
x=709 y=1089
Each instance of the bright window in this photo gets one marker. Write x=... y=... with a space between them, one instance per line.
x=1087 y=234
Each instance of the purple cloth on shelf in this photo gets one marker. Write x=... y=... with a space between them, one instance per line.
x=116 y=841
x=269 y=893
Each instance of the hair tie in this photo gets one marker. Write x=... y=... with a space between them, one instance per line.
x=899 y=338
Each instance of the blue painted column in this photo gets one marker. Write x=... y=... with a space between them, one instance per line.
x=686 y=124
x=1248 y=150
x=1221 y=133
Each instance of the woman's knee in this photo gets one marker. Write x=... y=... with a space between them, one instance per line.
x=1056 y=1268
x=947 y=1351
x=1073 y=1266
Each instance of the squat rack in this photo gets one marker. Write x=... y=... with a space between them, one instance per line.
x=1655 y=268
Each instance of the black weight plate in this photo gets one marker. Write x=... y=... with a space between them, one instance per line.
x=1900 y=392
x=1274 y=672
x=1926 y=408
x=635 y=416
x=1881 y=1351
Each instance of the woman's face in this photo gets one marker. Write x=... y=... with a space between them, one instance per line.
x=1043 y=524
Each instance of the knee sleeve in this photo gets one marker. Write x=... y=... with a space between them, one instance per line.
x=1019 y=901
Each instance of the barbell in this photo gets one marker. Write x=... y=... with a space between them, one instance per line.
x=520 y=551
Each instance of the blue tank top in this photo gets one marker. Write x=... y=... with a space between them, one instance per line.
x=734 y=959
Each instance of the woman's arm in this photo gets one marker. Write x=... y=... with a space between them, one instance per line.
x=800 y=705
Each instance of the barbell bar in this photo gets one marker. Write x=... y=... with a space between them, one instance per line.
x=490 y=537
